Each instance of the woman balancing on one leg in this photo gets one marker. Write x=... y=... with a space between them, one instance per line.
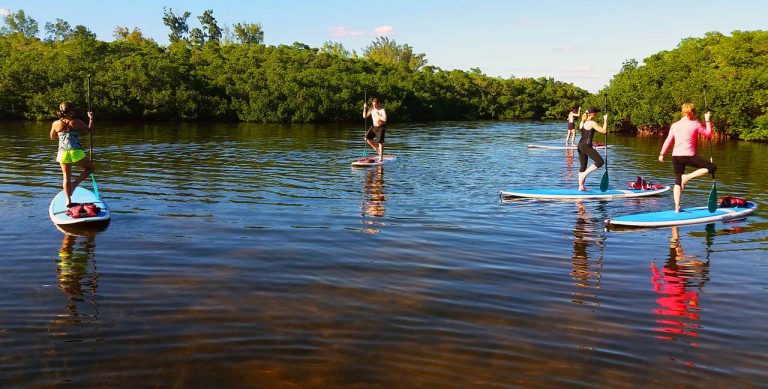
x=685 y=133
x=68 y=128
x=588 y=128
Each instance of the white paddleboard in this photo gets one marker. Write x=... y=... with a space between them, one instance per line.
x=563 y=147
x=575 y=194
x=373 y=161
x=686 y=216
x=58 y=208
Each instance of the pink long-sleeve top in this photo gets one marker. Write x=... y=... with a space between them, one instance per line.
x=684 y=133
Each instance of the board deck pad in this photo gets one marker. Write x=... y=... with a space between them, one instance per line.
x=58 y=208
x=573 y=194
x=373 y=161
x=686 y=216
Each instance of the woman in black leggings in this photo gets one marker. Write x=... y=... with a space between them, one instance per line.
x=588 y=128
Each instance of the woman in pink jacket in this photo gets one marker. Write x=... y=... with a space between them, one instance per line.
x=684 y=134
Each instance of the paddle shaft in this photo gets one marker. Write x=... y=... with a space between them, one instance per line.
x=604 y=180
x=90 y=139
x=365 y=123
x=90 y=133
x=712 y=201
x=706 y=107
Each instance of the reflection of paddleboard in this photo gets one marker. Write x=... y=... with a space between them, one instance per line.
x=571 y=194
x=686 y=216
x=58 y=208
x=373 y=161
x=563 y=147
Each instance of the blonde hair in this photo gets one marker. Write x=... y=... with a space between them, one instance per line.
x=688 y=109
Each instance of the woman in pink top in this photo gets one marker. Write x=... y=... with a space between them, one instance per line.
x=684 y=133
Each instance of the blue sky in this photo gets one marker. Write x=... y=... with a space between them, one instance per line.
x=580 y=42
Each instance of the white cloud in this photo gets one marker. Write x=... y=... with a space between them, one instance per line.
x=4 y=12
x=384 y=31
x=344 y=31
x=568 y=49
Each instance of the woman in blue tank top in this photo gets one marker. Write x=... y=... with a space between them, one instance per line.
x=67 y=130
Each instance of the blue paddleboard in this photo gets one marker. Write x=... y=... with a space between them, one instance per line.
x=571 y=194
x=58 y=208
x=686 y=216
x=563 y=147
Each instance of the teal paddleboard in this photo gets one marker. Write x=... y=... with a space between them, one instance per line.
x=575 y=194
x=58 y=208
x=686 y=216
x=563 y=147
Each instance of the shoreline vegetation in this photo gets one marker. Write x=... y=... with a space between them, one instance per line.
x=213 y=73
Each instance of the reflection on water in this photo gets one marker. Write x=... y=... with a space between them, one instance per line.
x=679 y=283
x=78 y=278
x=372 y=205
x=569 y=171
x=585 y=271
x=235 y=259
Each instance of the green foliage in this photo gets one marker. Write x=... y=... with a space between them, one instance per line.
x=335 y=49
x=19 y=23
x=177 y=24
x=212 y=29
x=734 y=70
x=249 y=33
x=387 y=51
x=59 y=31
x=135 y=78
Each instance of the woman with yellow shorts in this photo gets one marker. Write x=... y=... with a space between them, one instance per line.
x=67 y=129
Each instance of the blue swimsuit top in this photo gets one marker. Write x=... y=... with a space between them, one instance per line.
x=69 y=140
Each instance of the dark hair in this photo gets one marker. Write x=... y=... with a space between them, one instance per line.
x=65 y=107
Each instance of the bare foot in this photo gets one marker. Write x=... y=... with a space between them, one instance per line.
x=583 y=188
x=684 y=180
x=582 y=178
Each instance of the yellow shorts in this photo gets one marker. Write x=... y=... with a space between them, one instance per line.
x=70 y=156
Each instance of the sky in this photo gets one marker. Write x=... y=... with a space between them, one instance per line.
x=579 y=42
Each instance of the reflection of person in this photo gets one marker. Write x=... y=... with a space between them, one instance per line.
x=571 y=135
x=583 y=277
x=67 y=129
x=377 y=130
x=373 y=203
x=568 y=164
x=585 y=148
x=76 y=273
x=685 y=133
x=678 y=310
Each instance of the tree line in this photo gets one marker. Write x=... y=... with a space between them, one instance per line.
x=215 y=72
x=227 y=73
x=725 y=74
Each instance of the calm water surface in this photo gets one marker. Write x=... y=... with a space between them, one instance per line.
x=253 y=256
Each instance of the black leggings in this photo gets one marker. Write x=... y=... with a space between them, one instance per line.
x=679 y=164
x=585 y=151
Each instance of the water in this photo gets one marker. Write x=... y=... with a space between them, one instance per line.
x=250 y=255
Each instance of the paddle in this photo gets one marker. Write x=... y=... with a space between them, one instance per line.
x=365 y=123
x=604 y=180
x=90 y=141
x=712 y=201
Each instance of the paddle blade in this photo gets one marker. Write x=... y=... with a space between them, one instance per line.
x=95 y=187
x=712 y=202
x=604 y=182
